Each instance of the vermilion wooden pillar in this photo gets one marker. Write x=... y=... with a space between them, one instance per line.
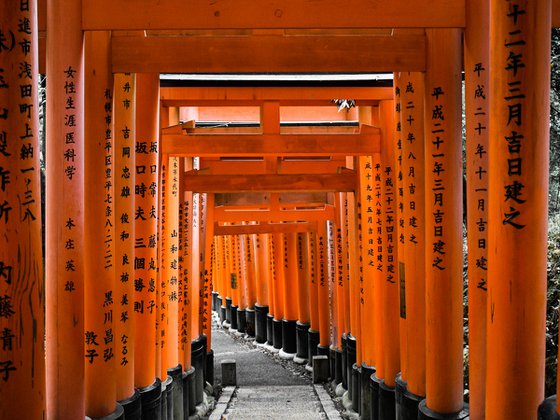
x=146 y=228
x=412 y=135
x=22 y=356
x=444 y=241
x=64 y=213
x=124 y=132
x=206 y=276
x=341 y=327
x=477 y=92
x=250 y=269
x=518 y=158
x=262 y=274
x=313 y=282
x=99 y=249
x=323 y=287
x=303 y=279
x=195 y=266
x=290 y=262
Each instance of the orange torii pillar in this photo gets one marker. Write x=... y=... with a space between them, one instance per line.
x=388 y=365
x=341 y=291
x=323 y=289
x=271 y=292
x=410 y=393
x=444 y=241
x=302 y=325
x=242 y=283
x=518 y=159
x=124 y=108
x=221 y=276
x=263 y=287
x=290 y=263
x=99 y=252
x=227 y=298
x=22 y=304
x=313 y=332
x=250 y=273
x=477 y=90
x=399 y=224
x=185 y=290
x=367 y=253
x=145 y=243
x=235 y=281
x=64 y=212
x=279 y=279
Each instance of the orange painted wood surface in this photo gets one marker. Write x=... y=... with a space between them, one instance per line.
x=290 y=263
x=303 y=267
x=323 y=285
x=277 y=245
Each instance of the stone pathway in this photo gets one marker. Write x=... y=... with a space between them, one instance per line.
x=267 y=387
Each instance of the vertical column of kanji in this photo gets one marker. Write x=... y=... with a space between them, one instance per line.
x=22 y=305
x=162 y=282
x=399 y=222
x=206 y=285
x=271 y=290
x=99 y=268
x=341 y=280
x=195 y=266
x=124 y=170
x=313 y=333
x=302 y=326
x=323 y=289
x=241 y=282
x=64 y=212
x=477 y=57
x=228 y=299
x=279 y=279
x=412 y=130
x=250 y=270
x=331 y=256
x=444 y=239
x=146 y=229
x=235 y=289
x=262 y=280
x=518 y=159
x=290 y=289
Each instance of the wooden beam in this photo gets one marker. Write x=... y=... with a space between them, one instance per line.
x=265 y=227
x=197 y=14
x=272 y=145
x=286 y=96
x=269 y=54
x=237 y=216
x=345 y=181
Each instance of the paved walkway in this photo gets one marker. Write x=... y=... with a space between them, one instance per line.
x=268 y=388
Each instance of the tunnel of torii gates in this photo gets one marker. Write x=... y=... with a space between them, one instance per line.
x=319 y=239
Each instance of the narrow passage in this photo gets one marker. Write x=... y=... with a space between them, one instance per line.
x=267 y=388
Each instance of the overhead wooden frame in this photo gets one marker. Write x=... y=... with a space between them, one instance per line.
x=264 y=227
x=232 y=215
x=269 y=54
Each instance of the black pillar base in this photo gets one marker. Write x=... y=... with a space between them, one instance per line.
x=332 y=362
x=228 y=310
x=270 y=329
x=406 y=402
x=356 y=390
x=118 y=414
x=424 y=413
x=277 y=333
x=337 y=366
x=132 y=406
x=189 y=393
x=312 y=343
x=350 y=360
x=151 y=401
x=177 y=374
x=374 y=399
x=222 y=315
x=386 y=401
x=209 y=373
x=547 y=409
x=365 y=391
x=260 y=323
x=197 y=360
x=302 y=351
x=241 y=320
x=167 y=399
x=251 y=321
x=344 y=361
x=289 y=341
x=233 y=324
x=215 y=306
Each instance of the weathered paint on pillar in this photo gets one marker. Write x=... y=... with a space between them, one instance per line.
x=390 y=281
x=64 y=212
x=125 y=140
x=271 y=275
x=206 y=273
x=262 y=269
x=250 y=269
x=444 y=239
x=518 y=159
x=290 y=276
x=303 y=267
x=22 y=300
x=354 y=269
x=477 y=90
x=278 y=252
x=336 y=334
x=412 y=126
x=99 y=249
x=341 y=269
x=146 y=228
x=195 y=279
x=313 y=281
x=323 y=285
